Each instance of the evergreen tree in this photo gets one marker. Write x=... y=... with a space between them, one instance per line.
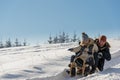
x=60 y=38
x=1 y=45
x=50 y=40
x=16 y=42
x=74 y=38
x=67 y=38
x=63 y=37
x=24 y=43
x=55 y=40
x=8 y=43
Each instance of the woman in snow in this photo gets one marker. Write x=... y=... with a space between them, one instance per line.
x=103 y=53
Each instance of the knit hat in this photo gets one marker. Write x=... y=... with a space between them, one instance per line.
x=103 y=38
x=84 y=36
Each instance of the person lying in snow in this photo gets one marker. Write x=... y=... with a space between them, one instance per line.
x=83 y=58
x=103 y=53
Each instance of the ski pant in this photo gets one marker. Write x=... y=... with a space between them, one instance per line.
x=99 y=62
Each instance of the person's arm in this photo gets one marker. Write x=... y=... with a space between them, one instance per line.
x=76 y=49
x=106 y=54
x=95 y=48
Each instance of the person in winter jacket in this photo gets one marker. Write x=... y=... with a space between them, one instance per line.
x=85 y=50
x=103 y=53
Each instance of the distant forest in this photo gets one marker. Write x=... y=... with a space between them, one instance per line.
x=63 y=38
x=9 y=43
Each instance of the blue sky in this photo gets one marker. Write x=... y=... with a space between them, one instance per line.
x=35 y=20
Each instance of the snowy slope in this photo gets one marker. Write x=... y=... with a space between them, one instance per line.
x=47 y=62
x=111 y=72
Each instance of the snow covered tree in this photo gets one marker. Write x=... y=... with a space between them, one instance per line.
x=1 y=45
x=62 y=38
x=74 y=38
x=16 y=42
x=50 y=40
x=67 y=38
x=24 y=43
x=8 y=43
x=55 y=40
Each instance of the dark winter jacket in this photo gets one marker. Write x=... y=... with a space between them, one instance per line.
x=104 y=50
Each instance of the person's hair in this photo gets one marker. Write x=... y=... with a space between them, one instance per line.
x=103 y=38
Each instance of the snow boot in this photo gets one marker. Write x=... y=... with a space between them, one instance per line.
x=87 y=71
x=72 y=70
x=79 y=71
x=93 y=70
x=68 y=71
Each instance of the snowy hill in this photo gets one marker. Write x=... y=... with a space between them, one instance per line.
x=47 y=62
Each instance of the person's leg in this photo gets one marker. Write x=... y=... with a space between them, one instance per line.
x=72 y=66
x=101 y=64
x=96 y=63
x=72 y=58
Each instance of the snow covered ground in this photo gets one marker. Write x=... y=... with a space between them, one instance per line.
x=47 y=62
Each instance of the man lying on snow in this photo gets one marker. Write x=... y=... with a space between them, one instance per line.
x=103 y=53
x=89 y=54
x=83 y=60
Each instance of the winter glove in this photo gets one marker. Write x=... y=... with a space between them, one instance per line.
x=71 y=49
x=100 y=55
x=106 y=54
